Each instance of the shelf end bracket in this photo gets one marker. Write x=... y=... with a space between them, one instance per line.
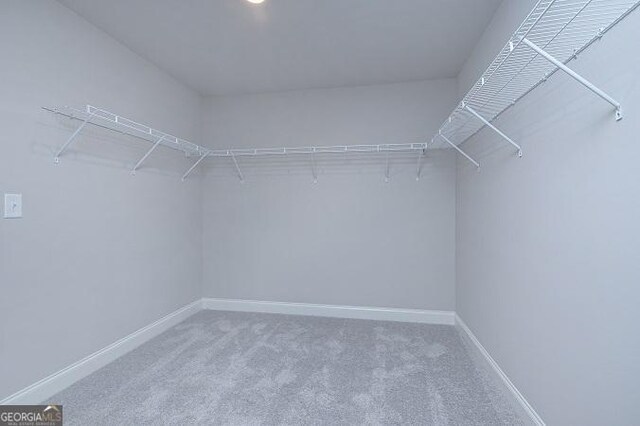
x=494 y=128
x=56 y=159
x=235 y=163
x=314 y=167
x=387 y=169
x=202 y=157
x=421 y=154
x=139 y=163
x=580 y=79
x=475 y=163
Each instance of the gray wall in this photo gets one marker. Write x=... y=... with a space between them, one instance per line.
x=505 y=21
x=548 y=246
x=350 y=239
x=99 y=253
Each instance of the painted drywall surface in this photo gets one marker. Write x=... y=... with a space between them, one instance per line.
x=99 y=253
x=350 y=239
x=504 y=23
x=548 y=246
x=393 y=113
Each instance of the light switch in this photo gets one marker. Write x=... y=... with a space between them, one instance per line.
x=12 y=206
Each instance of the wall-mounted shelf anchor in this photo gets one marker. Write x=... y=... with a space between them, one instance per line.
x=386 y=172
x=453 y=145
x=202 y=157
x=576 y=76
x=139 y=163
x=235 y=162
x=314 y=169
x=492 y=127
x=56 y=159
x=419 y=165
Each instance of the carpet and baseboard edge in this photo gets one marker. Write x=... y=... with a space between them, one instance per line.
x=501 y=375
x=334 y=311
x=54 y=383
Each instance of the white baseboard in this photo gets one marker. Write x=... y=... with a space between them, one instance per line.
x=337 y=311
x=526 y=407
x=49 y=386
x=56 y=382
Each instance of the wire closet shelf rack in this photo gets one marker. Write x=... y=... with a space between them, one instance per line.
x=108 y=120
x=552 y=35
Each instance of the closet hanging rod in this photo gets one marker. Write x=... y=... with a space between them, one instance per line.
x=110 y=121
x=228 y=152
x=310 y=150
x=553 y=34
x=70 y=115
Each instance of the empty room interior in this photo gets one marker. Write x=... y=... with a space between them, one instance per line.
x=309 y=212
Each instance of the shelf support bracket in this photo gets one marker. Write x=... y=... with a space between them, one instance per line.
x=576 y=77
x=494 y=128
x=202 y=157
x=314 y=169
x=56 y=159
x=419 y=166
x=235 y=163
x=459 y=150
x=139 y=163
x=386 y=172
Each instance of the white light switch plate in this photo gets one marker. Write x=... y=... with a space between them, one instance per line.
x=12 y=206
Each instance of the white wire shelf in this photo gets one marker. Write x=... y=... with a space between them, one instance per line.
x=108 y=120
x=553 y=34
